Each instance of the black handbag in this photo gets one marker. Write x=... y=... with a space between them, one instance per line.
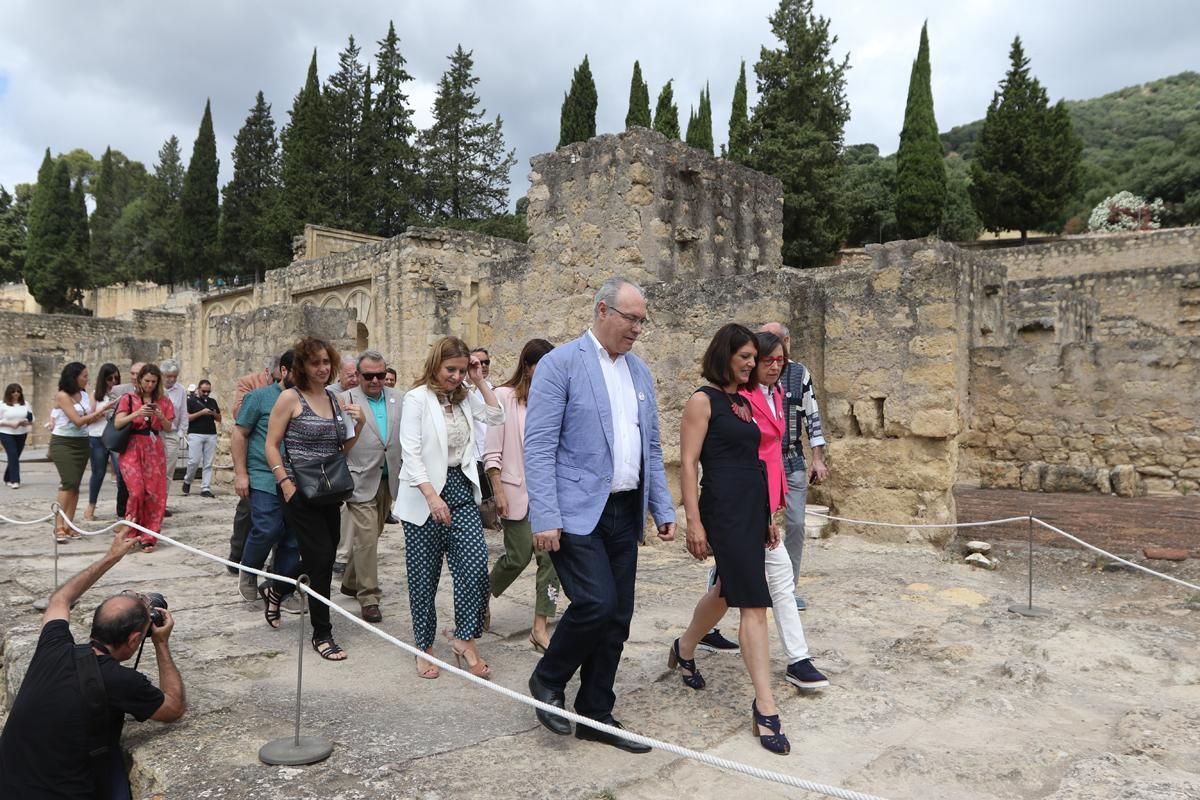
x=114 y=438
x=325 y=481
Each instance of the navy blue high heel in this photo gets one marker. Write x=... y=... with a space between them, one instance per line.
x=777 y=743
x=695 y=680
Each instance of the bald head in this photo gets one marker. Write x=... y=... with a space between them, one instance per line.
x=117 y=618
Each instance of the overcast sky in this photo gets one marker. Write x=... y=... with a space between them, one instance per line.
x=129 y=74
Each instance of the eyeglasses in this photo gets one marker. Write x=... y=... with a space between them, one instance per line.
x=637 y=322
x=775 y=360
x=485 y=362
x=373 y=376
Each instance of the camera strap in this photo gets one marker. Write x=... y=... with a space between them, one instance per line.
x=95 y=704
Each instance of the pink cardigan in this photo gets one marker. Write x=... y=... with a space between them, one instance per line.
x=770 y=448
x=504 y=448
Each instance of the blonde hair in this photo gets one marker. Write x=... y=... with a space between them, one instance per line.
x=439 y=352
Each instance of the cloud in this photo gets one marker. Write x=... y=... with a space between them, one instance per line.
x=130 y=73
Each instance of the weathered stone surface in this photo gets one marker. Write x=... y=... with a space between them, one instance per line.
x=981 y=561
x=1166 y=553
x=1126 y=482
x=977 y=546
x=1060 y=478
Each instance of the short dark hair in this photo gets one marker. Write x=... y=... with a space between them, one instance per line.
x=287 y=359
x=767 y=342
x=68 y=381
x=392 y=371
x=204 y=382
x=112 y=626
x=727 y=341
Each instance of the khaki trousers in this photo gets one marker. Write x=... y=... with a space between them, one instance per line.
x=366 y=522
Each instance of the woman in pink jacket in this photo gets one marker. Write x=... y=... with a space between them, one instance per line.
x=504 y=461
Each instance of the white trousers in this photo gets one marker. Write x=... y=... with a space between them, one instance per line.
x=781 y=582
x=202 y=448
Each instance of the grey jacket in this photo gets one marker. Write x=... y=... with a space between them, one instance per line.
x=374 y=447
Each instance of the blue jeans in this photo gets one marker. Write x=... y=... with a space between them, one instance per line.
x=597 y=572
x=100 y=456
x=268 y=531
x=13 y=443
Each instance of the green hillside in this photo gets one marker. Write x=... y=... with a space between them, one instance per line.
x=1142 y=138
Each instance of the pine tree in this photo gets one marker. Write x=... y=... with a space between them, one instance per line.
x=164 y=216
x=577 y=120
x=305 y=157
x=103 y=219
x=344 y=118
x=466 y=165
x=666 y=113
x=1026 y=164
x=12 y=238
x=639 y=100
x=920 y=161
x=797 y=131
x=739 y=122
x=252 y=239
x=55 y=269
x=198 y=204
x=397 y=183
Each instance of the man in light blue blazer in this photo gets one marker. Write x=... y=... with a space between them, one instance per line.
x=593 y=466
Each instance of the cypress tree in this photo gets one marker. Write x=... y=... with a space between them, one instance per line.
x=164 y=215
x=80 y=242
x=54 y=264
x=466 y=164
x=305 y=157
x=739 y=121
x=920 y=161
x=199 y=206
x=12 y=238
x=796 y=133
x=702 y=138
x=252 y=239
x=103 y=219
x=1026 y=164
x=577 y=120
x=639 y=100
x=666 y=113
x=344 y=118
x=370 y=198
x=397 y=170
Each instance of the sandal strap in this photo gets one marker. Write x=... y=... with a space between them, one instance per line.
x=326 y=648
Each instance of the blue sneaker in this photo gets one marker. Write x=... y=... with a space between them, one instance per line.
x=800 y=604
x=714 y=642
x=803 y=675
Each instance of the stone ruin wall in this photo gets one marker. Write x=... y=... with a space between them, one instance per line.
x=1101 y=252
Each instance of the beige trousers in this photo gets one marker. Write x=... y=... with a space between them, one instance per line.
x=366 y=523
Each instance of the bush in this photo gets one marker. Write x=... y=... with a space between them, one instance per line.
x=1126 y=211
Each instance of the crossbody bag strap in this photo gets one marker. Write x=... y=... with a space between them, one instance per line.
x=95 y=703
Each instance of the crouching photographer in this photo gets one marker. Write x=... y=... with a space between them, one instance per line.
x=63 y=735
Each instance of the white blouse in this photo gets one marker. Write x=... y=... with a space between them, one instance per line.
x=19 y=413
x=62 y=423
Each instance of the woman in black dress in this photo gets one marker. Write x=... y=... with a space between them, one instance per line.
x=729 y=518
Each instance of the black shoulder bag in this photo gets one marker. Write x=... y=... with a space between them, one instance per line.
x=114 y=438
x=325 y=481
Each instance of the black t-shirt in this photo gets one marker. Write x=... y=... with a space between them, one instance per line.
x=44 y=750
x=205 y=424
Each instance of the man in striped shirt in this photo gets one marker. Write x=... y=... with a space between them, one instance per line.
x=800 y=407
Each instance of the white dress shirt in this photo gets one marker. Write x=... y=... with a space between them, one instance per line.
x=627 y=434
x=178 y=397
x=481 y=427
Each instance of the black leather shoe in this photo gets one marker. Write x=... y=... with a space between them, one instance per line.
x=593 y=735
x=555 y=723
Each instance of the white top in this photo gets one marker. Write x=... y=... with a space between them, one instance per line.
x=458 y=435
x=178 y=398
x=97 y=427
x=627 y=434
x=18 y=413
x=766 y=390
x=480 y=427
x=62 y=423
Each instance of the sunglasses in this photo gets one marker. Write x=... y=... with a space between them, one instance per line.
x=487 y=362
x=374 y=376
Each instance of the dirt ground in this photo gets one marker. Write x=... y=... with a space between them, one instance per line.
x=938 y=691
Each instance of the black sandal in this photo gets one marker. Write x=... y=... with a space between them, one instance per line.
x=776 y=742
x=328 y=649
x=271 y=603
x=695 y=680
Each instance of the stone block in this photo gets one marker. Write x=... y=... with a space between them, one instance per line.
x=1159 y=486
x=994 y=475
x=1155 y=471
x=1003 y=423
x=1062 y=478
x=1147 y=444
x=937 y=346
x=934 y=423
x=1031 y=476
x=1166 y=553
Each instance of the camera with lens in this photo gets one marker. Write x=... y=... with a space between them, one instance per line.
x=157 y=604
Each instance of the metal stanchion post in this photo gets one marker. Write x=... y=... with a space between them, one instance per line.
x=297 y=750
x=42 y=602
x=1029 y=609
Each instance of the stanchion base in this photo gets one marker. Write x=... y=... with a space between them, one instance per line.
x=286 y=752
x=1029 y=611
x=43 y=603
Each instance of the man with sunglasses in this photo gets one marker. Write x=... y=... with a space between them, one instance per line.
x=375 y=465
x=63 y=735
x=481 y=357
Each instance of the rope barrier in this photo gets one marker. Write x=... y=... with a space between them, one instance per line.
x=37 y=521
x=704 y=758
x=983 y=524
x=1107 y=554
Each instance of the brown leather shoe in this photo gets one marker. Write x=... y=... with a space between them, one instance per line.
x=372 y=614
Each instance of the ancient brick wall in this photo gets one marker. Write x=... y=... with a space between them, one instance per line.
x=1106 y=416
x=1106 y=252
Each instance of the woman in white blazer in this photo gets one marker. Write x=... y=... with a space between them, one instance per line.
x=504 y=462
x=438 y=499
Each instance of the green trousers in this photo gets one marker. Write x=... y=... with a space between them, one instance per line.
x=518 y=550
